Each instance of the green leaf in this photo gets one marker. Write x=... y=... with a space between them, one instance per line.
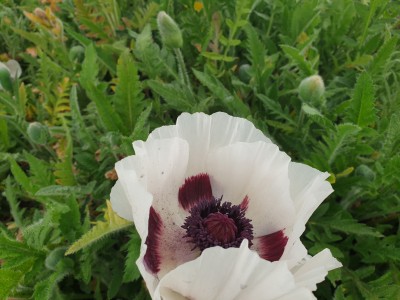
x=96 y=93
x=128 y=96
x=44 y=289
x=218 y=56
x=222 y=93
x=113 y=223
x=362 y=111
x=382 y=57
x=317 y=117
x=78 y=124
x=176 y=96
x=64 y=168
x=9 y=279
x=59 y=190
x=298 y=59
x=133 y=247
x=392 y=136
x=13 y=203
x=22 y=178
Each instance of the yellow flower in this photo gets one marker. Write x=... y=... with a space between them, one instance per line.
x=198 y=6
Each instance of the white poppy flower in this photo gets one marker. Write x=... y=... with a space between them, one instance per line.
x=214 y=182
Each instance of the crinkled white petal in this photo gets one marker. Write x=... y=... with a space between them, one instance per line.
x=14 y=68
x=257 y=170
x=225 y=274
x=205 y=133
x=315 y=269
x=308 y=188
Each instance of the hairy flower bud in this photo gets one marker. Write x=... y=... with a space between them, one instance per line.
x=38 y=133
x=9 y=71
x=311 y=90
x=170 y=33
x=5 y=78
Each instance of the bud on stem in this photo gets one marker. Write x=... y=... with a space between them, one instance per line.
x=170 y=33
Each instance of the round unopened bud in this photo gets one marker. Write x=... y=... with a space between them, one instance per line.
x=366 y=172
x=38 y=133
x=244 y=73
x=170 y=33
x=5 y=78
x=77 y=53
x=311 y=90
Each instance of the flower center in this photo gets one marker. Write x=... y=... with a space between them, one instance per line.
x=213 y=223
x=222 y=228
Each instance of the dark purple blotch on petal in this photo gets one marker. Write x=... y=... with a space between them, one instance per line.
x=152 y=259
x=195 y=189
x=271 y=246
x=245 y=203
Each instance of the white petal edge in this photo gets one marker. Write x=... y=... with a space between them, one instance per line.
x=207 y=132
x=257 y=170
x=120 y=203
x=315 y=269
x=225 y=274
x=308 y=189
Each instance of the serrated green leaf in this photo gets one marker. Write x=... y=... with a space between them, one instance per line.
x=362 y=110
x=78 y=123
x=222 y=93
x=381 y=58
x=10 y=248
x=113 y=223
x=88 y=79
x=44 y=289
x=298 y=59
x=128 y=96
x=13 y=203
x=9 y=279
x=22 y=178
x=133 y=247
x=317 y=117
x=173 y=94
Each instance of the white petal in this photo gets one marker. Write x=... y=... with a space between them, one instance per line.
x=205 y=133
x=260 y=171
x=225 y=274
x=15 y=68
x=159 y=167
x=135 y=194
x=120 y=203
x=315 y=269
x=298 y=294
x=308 y=189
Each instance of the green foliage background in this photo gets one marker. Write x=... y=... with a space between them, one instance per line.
x=96 y=77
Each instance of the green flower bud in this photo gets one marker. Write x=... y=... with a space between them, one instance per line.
x=5 y=78
x=77 y=53
x=311 y=90
x=170 y=33
x=366 y=172
x=38 y=133
x=244 y=73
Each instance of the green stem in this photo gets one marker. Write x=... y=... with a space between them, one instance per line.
x=183 y=73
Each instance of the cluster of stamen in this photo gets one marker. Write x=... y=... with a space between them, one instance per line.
x=213 y=223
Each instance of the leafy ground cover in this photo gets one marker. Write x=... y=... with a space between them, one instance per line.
x=96 y=76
